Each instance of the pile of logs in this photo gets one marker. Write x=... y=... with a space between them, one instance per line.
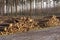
x=54 y=21
x=23 y=24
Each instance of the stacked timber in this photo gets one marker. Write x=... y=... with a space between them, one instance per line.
x=12 y=25
x=54 y=21
x=24 y=24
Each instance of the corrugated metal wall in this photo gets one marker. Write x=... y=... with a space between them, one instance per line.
x=29 y=7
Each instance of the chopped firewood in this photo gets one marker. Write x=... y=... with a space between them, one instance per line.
x=1 y=33
x=5 y=29
x=24 y=24
x=53 y=21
